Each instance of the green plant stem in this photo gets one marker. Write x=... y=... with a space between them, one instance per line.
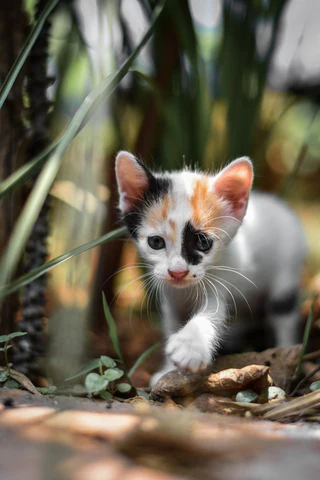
x=113 y=334
x=306 y=335
x=6 y=356
x=26 y=171
x=38 y=272
x=144 y=357
x=19 y=62
x=290 y=179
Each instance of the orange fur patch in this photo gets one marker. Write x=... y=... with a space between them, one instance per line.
x=173 y=232
x=158 y=213
x=205 y=205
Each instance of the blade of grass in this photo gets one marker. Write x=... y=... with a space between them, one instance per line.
x=27 y=170
x=306 y=335
x=144 y=357
x=19 y=62
x=113 y=334
x=28 y=216
x=87 y=367
x=38 y=272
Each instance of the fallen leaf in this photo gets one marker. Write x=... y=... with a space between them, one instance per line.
x=177 y=383
x=22 y=379
x=232 y=380
x=282 y=362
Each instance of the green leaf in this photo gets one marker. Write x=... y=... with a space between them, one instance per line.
x=26 y=171
x=123 y=387
x=5 y=348
x=305 y=340
x=7 y=338
x=18 y=64
x=4 y=375
x=315 y=386
x=144 y=356
x=246 y=396
x=113 y=374
x=112 y=328
x=142 y=393
x=106 y=395
x=30 y=212
x=107 y=361
x=12 y=384
x=113 y=334
x=38 y=272
x=87 y=367
x=94 y=383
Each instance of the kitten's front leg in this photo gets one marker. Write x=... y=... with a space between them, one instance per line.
x=194 y=345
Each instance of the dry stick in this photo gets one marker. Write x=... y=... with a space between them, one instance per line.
x=311 y=355
x=294 y=407
x=304 y=380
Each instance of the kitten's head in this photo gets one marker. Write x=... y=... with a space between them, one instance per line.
x=182 y=220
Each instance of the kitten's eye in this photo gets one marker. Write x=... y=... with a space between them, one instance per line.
x=156 y=242
x=203 y=243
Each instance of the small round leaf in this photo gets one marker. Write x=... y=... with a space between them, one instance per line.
x=123 y=387
x=246 y=396
x=11 y=384
x=315 y=386
x=106 y=395
x=3 y=376
x=107 y=361
x=95 y=383
x=113 y=374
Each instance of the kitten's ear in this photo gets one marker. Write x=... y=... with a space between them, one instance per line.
x=234 y=183
x=132 y=180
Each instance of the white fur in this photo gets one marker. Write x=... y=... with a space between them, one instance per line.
x=265 y=253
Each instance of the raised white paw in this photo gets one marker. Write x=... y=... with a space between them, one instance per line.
x=189 y=348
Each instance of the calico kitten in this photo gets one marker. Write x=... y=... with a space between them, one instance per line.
x=213 y=251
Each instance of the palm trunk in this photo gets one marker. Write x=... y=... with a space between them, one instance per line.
x=32 y=347
x=12 y=37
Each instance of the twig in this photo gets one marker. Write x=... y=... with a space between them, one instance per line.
x=311 y=355
x=304 y=380
x=294 y=407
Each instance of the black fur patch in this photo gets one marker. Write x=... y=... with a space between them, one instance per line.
x=189 y=251
x=285 y=304
x=157 y=188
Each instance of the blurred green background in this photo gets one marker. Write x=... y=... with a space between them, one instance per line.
x=217 y=80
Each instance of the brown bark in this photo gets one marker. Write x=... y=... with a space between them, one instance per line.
x=12 y=36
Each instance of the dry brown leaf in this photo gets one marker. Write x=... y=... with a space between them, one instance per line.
x=282 y=362
x=233 y=380
x=22 y=379
x=177 y=383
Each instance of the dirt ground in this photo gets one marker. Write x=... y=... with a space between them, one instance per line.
x=60 y=437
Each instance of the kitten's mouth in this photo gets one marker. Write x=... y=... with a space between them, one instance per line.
x=184 y=282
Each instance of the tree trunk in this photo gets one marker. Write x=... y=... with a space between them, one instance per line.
x=12 y=37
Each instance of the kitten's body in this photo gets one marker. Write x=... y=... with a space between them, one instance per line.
x=255 y=257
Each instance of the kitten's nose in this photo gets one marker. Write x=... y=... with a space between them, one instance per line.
x=179 y=274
